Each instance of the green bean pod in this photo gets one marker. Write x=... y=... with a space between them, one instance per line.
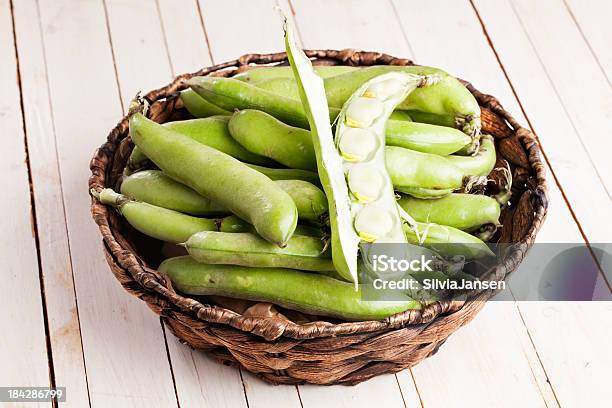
x=288 y=174
x=310 y=201
x=260 y=133
x=448 y=103
x=434 y=119
x=232 y=223
x=305 y=292
x=227 y=181
x=267 y=136
x=200 y=107
x=447 y=241
x=233 y=94
x=400 y=115
x=479 y=165
x=409 y=169
x=260 y=74
x=329 y=163
x=425 y=138
x=426 y=193
x=211 y=131
x=246 y=249
x=282 y=86
x=157 y=222
x=462 y=211
x=154 y=187
x=448 y=97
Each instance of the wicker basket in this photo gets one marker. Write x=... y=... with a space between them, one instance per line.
x=320 y=352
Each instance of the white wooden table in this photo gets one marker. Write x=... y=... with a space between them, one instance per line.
x=67 y=70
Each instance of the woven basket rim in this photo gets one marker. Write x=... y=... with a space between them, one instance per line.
x=146 y=283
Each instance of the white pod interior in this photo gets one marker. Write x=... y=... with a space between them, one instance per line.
x=360 y=140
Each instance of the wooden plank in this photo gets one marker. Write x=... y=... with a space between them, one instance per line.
x=362 y=24
x=566 y=334
x=263 y=395
x=272 y=41
x=184 y=35
x=379 y=391
x=23 y=349
x=202 y=382
x=592 y=18
x=198 y=379
x=438 y=377
x=573 y=343
x=487 y=350
x=124 y=350
x=560 y=142
x=236 y=27
x=575 y=83
x=62 y=315
x=141 y=57
x=258 y=393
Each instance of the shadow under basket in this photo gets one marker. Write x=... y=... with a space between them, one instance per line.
x=320 y=352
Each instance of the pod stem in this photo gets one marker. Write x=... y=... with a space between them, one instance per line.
x=132 y=167
x=505 y=185
x=429 y=80
x=109 y=197
x=486 y=232
x=138 y=105
x=474 y=184
x=470 y=125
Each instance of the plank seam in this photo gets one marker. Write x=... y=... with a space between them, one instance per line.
x=539 y=360
x=586 y=40
x=416 y=388
x=178 y=402
x=244 y=391
x=400 y=390
x=112 y=50
x=404 y=34
x=164 y=37
x=297 y=389
x=201 y=16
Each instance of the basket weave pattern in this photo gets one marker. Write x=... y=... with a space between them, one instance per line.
x=318 y=352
